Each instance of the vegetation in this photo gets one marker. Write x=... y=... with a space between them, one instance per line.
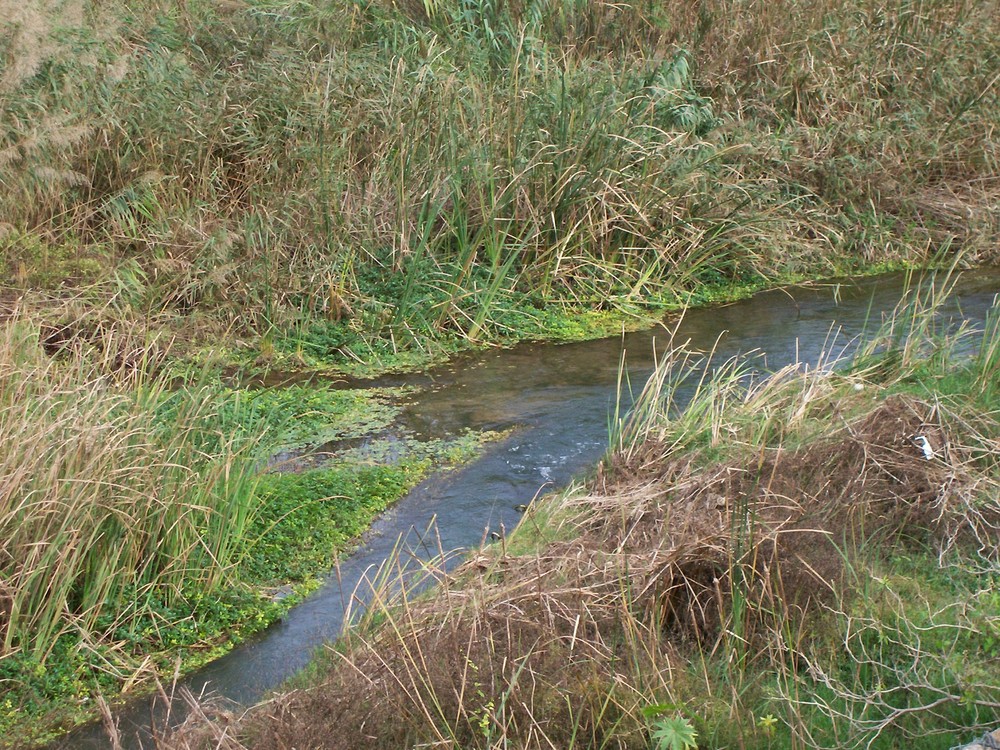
x=121 y=505
x=374 y=183
x=344 y=182
x=137 y=533
x=777 y=564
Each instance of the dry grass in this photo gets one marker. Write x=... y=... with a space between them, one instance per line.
x=240 y=166
x=115 y=502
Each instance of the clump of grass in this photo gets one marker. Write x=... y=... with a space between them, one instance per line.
x=111 y=513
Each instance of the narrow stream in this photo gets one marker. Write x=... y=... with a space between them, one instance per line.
x=560 y=399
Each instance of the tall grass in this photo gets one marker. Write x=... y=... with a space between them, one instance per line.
x=118 y=501
x=439 y=165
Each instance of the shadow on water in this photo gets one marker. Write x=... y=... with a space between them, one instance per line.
x=561 y=397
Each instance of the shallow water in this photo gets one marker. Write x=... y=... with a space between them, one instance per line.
x=559 y=399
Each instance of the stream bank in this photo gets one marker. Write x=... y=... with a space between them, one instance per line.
x=560 y=400
x=801 y=559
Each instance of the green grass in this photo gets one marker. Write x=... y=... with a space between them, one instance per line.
x=323 y=345
x=138 y=532
x=914 y=633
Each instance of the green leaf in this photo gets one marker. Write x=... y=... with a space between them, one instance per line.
x=674 y=734
x=657 y=709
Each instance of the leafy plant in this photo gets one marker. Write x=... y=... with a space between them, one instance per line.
x=673 y=733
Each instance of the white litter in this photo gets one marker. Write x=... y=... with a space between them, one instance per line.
x=924 y=444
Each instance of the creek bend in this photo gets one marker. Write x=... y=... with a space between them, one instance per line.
x=558 y=400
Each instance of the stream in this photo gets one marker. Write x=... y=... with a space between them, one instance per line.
x=558 y=400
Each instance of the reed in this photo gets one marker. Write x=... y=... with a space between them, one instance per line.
x=120 y=502
x=498 y=157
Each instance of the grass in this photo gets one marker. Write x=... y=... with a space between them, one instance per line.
x=139 y=535
x=277 y=183
x=815 y=583
x=111 y=513
x=356 y=185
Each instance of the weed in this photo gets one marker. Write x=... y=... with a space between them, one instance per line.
x=673 y=734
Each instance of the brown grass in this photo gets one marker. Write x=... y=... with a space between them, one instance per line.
x=334 y=147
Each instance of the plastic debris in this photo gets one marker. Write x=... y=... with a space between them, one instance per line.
x=989 y=741
x=924 y=444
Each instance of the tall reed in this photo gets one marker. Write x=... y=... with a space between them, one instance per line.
x=240 y=155
x=116 y=500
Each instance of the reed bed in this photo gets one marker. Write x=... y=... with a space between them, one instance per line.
x=121 y=507
x=405 y=173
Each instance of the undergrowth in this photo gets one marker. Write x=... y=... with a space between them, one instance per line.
x=353 y=184
x=139 y=532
